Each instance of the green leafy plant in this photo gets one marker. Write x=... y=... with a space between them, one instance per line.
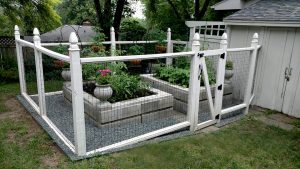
x=229 y=65
x=156 y=34
x=136 y=50
x=180 y=73
x=127 y=87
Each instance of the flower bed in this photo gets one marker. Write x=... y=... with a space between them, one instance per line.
x=155 y=106
x=180 y=93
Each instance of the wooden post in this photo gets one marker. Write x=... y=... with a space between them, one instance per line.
x=169 y=47
x=77 y=96
x=39 y=72
x=220 y=79
x=249 y=86
x=192 y=33
x=113 y=42
x=194 y=84
x=20 y=60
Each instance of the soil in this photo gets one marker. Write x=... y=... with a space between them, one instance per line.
x=90 y=87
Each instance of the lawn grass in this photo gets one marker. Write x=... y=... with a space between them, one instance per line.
x=244 y=144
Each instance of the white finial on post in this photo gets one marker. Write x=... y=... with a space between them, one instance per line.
x=249 y=85
x=39 y=72
x=77 y=96
x=194 y=84
x=113 y=41
x=169 y=46
x=220 y=78
x=17 y=32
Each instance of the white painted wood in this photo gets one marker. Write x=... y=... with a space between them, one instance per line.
x=141 y=138
x=240 y=49
x=49 y=93
x=249 y=84
x=169 y=47
x=205 y=124
x=220 y=77
x=53 y=54
x=21 y=69
x=192 y=33
x=201 y=23
x=24 y=43
x=31 y=102
x=39 y=72
x=77 y=96
x=233 y=108
x=113 y=41
x=291 y=98
x=194 y=85
x=263 y=23
x=134 y=57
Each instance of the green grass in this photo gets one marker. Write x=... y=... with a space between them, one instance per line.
x=245 y=144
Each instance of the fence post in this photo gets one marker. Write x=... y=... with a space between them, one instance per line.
x=169 y=47
x=113 y=41
x=39 y=72
x=194 y=84
x=77 y=96
x=192 y=33
x=248 y=89
x=220 y=79
x=20 y=60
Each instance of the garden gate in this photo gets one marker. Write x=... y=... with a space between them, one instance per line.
x=74 y=132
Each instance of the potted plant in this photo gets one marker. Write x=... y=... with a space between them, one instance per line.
x=160 y=36
x=228 y=71
x=103 y=90
x=97 y=43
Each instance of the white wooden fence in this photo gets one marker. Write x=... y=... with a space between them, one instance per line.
x=197 y=66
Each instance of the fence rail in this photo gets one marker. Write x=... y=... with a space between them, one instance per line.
x=198 y=68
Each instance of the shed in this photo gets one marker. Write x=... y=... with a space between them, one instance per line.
x=277 y=81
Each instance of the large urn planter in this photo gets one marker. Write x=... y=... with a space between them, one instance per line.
x=66 y=74
x=228 y=75
x=103 y=92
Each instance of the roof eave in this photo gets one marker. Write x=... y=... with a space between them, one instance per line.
x=262 y=23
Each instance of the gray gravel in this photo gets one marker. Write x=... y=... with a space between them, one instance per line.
x=60 y=113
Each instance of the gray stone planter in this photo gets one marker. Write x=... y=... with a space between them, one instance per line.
x=138 y=110
x=180 y=94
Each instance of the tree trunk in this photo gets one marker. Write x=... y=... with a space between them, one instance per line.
x=197 y=8
x=204 y=9
x=118 y=16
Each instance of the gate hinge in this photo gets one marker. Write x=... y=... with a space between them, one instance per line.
x=217 y=117
x=200 y=71
x=222 y=56
x=200 y=55
x=220 y=87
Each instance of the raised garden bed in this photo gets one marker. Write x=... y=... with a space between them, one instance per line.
x=155 y=106
x=180 y=94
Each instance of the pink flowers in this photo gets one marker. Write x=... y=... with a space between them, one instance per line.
x=104 y=72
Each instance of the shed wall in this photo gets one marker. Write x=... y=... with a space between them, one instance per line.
x=278 y=47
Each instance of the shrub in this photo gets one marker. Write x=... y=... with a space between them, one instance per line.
x=132 y=29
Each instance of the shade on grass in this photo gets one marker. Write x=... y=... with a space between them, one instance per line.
x=244 y=144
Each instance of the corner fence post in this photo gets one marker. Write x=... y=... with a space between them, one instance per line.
x=194 y=84
x=20 y=60
x=77 y=96
x=113 y=41
x=192 y=33
x=249 y=86
x=220 y=79
x=39 y=72
x=169 y=47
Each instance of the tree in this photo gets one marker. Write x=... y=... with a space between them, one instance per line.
x=173 y=13
x=110 y=13
x=29 y=14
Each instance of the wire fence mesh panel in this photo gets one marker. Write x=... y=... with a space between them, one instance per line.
x=236 y=78
x=124 y=100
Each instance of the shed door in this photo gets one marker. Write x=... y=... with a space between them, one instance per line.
x=291 y=100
